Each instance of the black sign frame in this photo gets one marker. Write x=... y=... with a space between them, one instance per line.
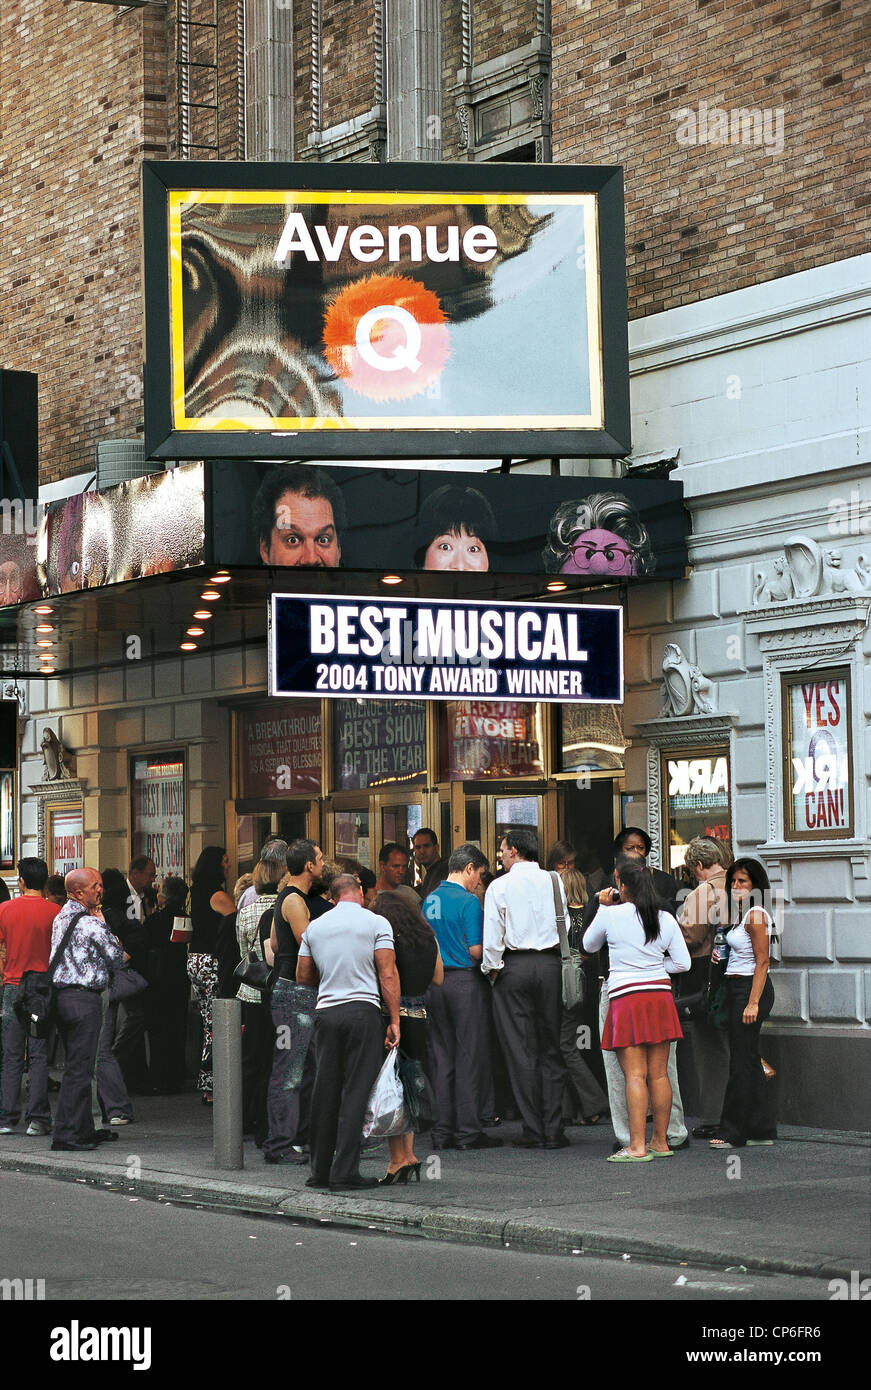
x=162 y=440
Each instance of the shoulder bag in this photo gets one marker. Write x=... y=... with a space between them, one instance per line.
x=35 y=1006
x=573 y=977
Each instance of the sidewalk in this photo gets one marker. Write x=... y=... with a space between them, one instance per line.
x=801 y=1207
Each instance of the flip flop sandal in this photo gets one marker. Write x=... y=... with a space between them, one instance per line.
x=624 y=1156
x=719 y=1144
x=660 y=1153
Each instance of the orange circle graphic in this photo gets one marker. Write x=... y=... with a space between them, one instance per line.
x=388 y=338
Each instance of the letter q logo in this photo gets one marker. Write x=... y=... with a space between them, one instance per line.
x=386 y=337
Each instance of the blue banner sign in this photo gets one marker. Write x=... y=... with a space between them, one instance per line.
x=380 y=649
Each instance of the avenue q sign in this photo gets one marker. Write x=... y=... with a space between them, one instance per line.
x=440 y=650
x=377 y=310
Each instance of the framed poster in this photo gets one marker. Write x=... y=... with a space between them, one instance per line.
x=157 y=821
x=696 y=797
x=65 y=837
x=387 y=310
x=818 y=794
x=8 y=805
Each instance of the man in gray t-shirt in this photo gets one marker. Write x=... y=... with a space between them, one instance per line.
x=348 y=954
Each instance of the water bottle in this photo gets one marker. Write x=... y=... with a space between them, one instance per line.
x=720 y=948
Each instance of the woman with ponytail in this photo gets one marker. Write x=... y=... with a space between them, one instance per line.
x=645 y=947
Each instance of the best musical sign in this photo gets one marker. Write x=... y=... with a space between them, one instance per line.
x=440 y=650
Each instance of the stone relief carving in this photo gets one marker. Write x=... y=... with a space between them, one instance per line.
x=805 y=570
x=463 y=120
x=54 y=767
x=685 y=690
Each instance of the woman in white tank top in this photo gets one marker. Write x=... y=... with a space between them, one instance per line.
x=748 y=1109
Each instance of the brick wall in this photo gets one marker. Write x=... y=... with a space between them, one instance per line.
x=302 y=75
x=498 y=27
x=706 y=218
x=452 y=61
x=74 y=125
x=348 y=59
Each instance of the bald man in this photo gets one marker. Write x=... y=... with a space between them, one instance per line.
x=84 y=953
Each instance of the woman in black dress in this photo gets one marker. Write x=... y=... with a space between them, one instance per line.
x=166 y=1003
x=210 y=901
x=418 y=965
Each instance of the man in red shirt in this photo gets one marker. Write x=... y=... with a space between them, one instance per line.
x=25 y=944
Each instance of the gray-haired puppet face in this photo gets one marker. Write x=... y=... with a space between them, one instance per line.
x=599 y=535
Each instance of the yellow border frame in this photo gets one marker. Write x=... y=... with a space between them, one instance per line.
x=179 y=199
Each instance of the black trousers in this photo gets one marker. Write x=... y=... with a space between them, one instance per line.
x=80 y=1017
x=457 y=1012
x=349 y=1050
x=258 y=1038
x=527 y=1004
x=129 y=1046
x=748 y=1107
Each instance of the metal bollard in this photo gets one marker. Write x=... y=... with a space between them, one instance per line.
x=227 y=1077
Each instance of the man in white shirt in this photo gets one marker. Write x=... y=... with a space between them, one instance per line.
x=522 y=959
x=349 y=954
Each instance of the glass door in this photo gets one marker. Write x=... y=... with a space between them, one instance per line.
x=351 y=837
x=249 y=824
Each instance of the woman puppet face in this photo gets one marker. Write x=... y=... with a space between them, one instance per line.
x=460 y=551
x=600 y=552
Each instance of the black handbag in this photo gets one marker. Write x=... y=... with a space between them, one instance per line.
x=36 y=1004
x=256 y=973
x=126 y=982
x=692 y=993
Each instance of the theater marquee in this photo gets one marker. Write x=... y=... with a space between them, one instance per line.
x=438 y=650
x=426 y=310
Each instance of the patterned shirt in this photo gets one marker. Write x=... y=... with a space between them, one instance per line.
x=92 y=952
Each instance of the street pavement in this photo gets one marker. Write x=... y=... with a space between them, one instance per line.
x=801 y=1207
x=115 y=1249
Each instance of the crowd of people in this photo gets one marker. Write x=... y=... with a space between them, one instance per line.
x=456 y=963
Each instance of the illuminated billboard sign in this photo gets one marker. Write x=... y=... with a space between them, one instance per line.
x=441 y=310
x=438 y=650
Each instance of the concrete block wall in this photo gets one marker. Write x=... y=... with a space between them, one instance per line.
x=746 y=497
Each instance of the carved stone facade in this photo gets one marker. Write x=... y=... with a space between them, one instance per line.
x=504 y=105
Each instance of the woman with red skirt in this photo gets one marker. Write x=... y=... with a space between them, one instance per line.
x=645 y=947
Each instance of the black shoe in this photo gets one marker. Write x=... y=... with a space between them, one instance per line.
x=353 y=1184
x=483 y=1141
x=61 y=1145
x=106 y=1136
x=292 y=1160
x=491 y=1122
x=313 y=1182
x=527 y=1141
x=676 y=1148
x=706 y=1131
x=556 y=1141
x=449 y=1143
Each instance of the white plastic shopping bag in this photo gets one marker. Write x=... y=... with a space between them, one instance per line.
x=386 y=1113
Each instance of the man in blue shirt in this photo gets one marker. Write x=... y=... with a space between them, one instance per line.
x=457 y=1011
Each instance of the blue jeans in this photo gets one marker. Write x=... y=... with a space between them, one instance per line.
x=14 y=1042
x=293 y=1014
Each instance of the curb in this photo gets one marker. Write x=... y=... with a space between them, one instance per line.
x=460 y=1227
